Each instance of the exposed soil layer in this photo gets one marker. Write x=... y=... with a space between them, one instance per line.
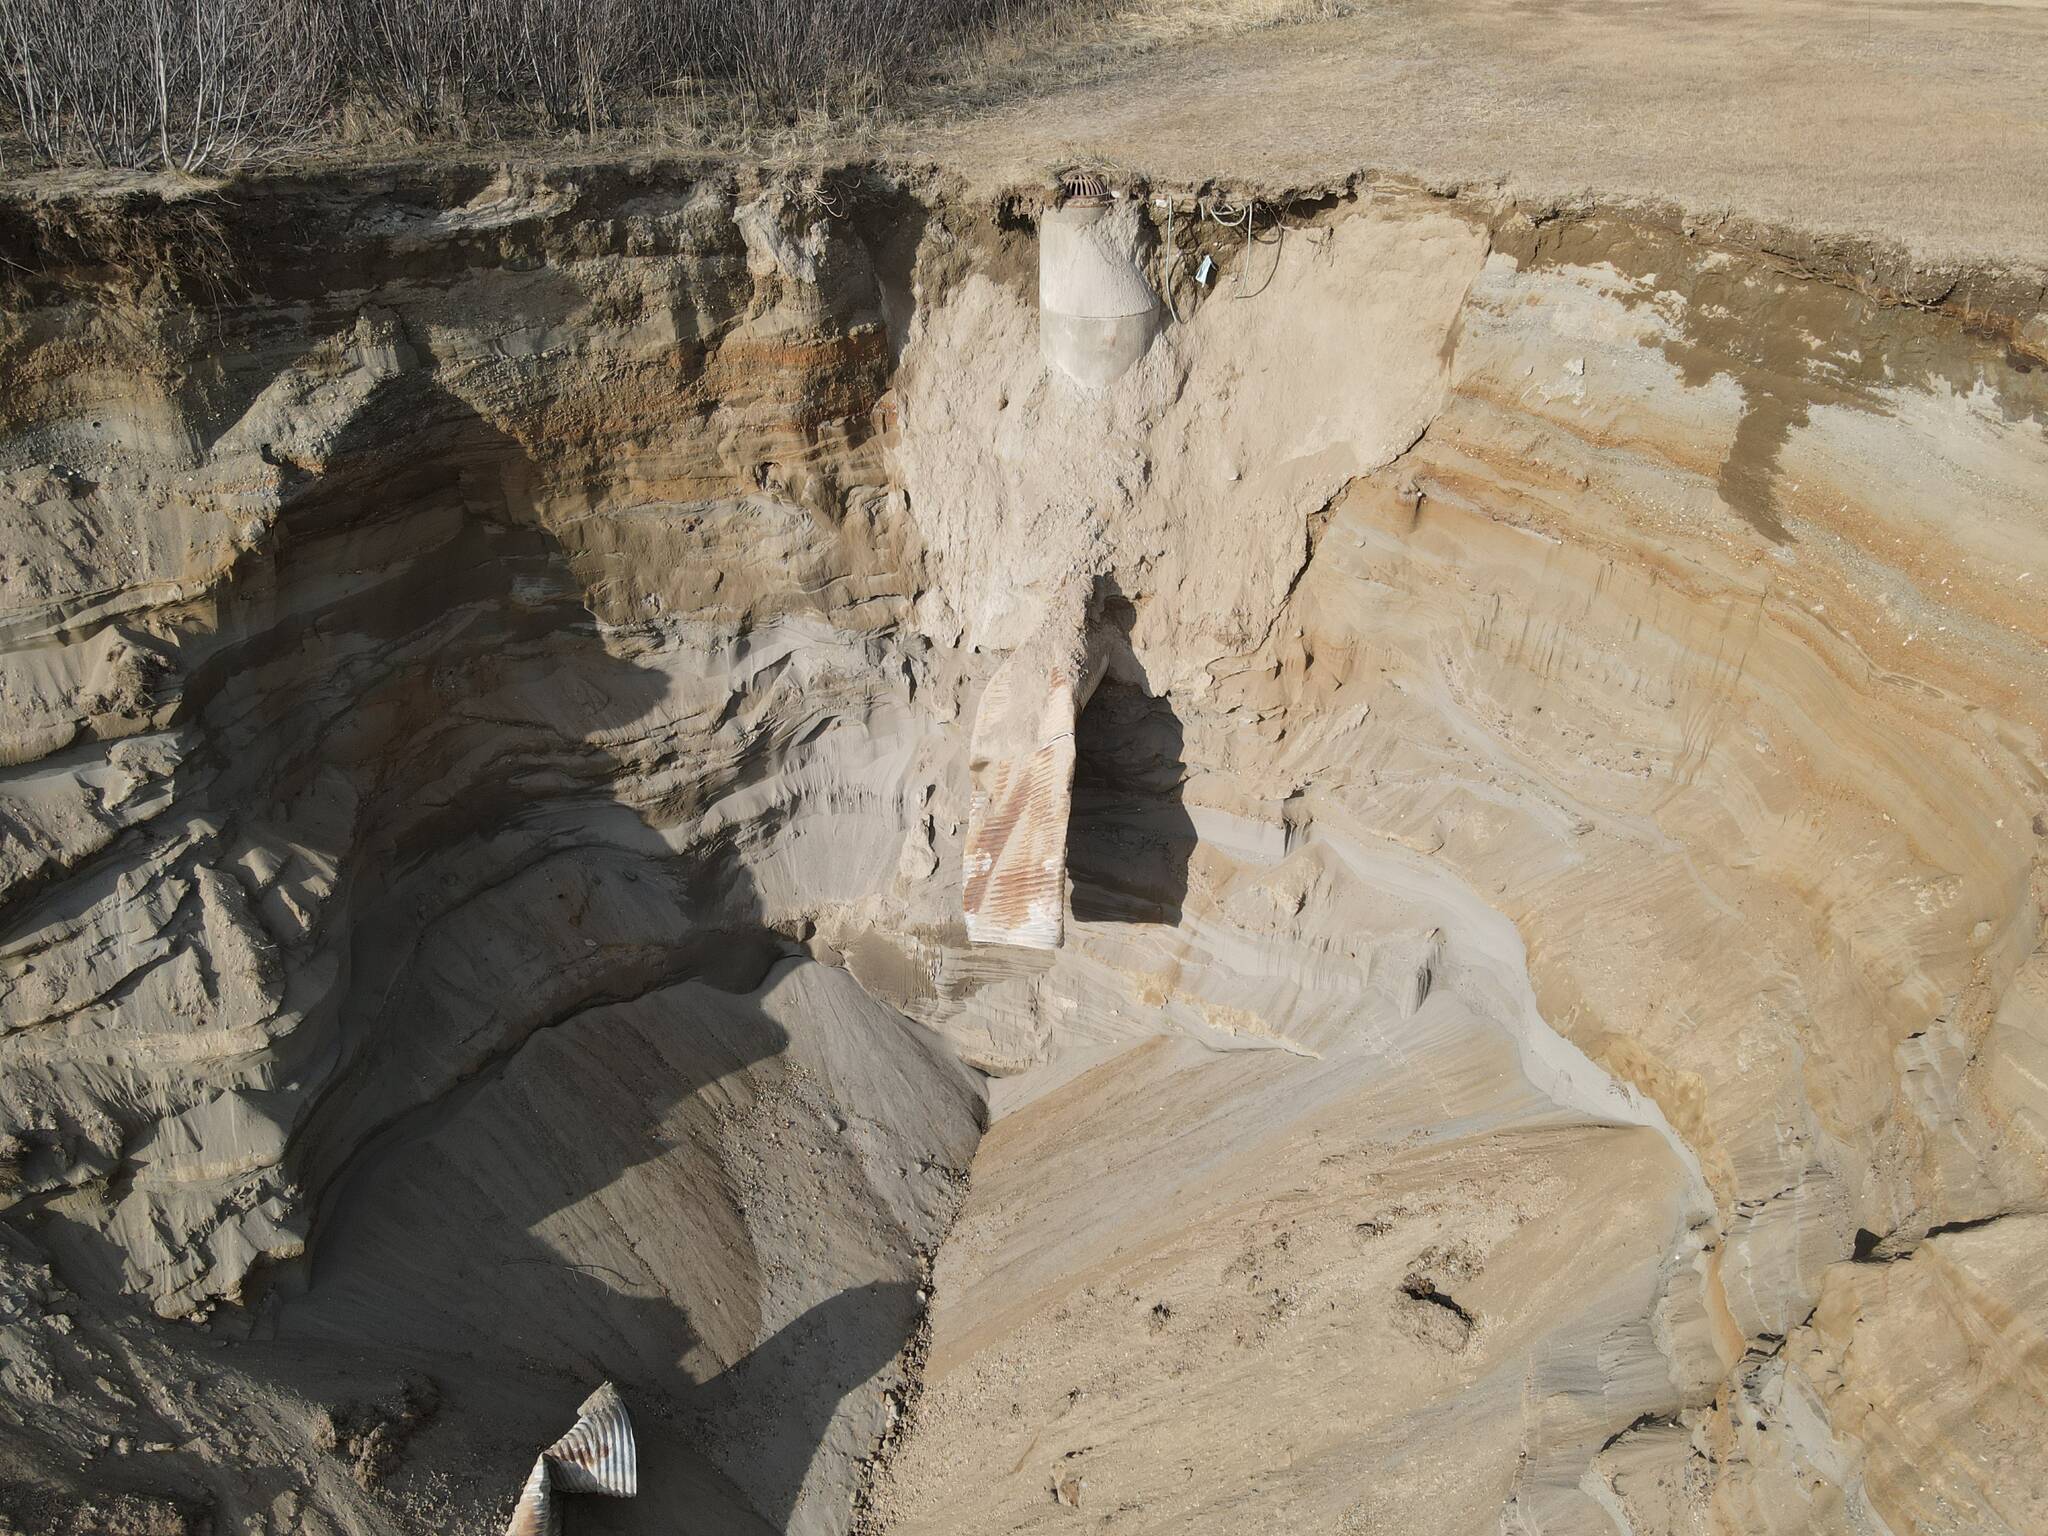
x=1553 y=1014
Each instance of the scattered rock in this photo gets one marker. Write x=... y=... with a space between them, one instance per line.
x=372 y=1436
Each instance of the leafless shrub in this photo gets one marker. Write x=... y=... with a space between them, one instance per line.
x=416 y=55
x=182 y=84
x=570 y=57
x=198 y=84
x=560 y=55
x=575 y=60
x=433 y=60
x=796 y=54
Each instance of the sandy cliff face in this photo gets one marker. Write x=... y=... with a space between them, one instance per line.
x=490 y=681
x=1550 y=1028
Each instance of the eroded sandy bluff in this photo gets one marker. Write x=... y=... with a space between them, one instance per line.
x=1511 y=736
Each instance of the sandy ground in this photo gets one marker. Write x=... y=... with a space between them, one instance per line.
x=1921 y=124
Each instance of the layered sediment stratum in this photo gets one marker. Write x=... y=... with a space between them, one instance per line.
x=1549 y=1015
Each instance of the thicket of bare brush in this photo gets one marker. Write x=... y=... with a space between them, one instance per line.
x=202 y=85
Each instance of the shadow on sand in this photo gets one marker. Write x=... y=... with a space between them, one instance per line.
x=1130 y=837
x=523 y=1103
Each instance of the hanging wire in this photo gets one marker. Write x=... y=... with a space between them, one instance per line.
x=1171 y=258
x=1227 y=215
x=1245 y=216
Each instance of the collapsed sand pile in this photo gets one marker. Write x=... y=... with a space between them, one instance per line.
x=1551 y=989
